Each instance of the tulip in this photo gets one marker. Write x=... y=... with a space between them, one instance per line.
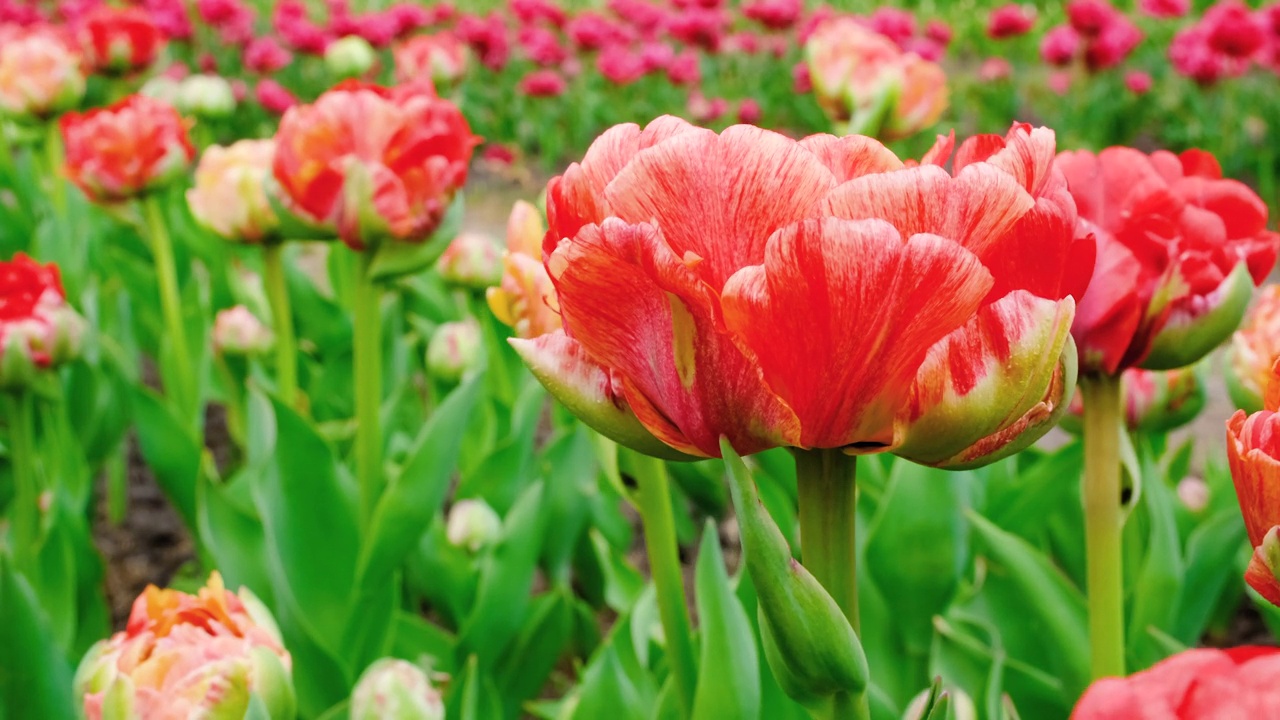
x=1138 y=82
x=525 y=299
x=393 y=689
x=1060 y=46
x=230 y=197
x=774 y=14
x=543 y=84
x=369 y=164
x=1165 y=8
x=1179 y=252
x=1009 y=21
x=1234 y=30
x=1239 y=682
x=1090 y=17
x=995 y=69
x=206 y=96
x=472 y=525
x=186 y=656
x=1254 y=349
x=40 y=75
x=864 y=81
x=265 y=56
x=38 y=330
x=118 y=41
x=237 y=331
x=471 y=261
x=350 y=57
x=1112 y=46
x=137 y=145
x=454 y=349
x=274 y=97
x=1254 y=456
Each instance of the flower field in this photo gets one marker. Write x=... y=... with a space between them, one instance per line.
x=639 y=359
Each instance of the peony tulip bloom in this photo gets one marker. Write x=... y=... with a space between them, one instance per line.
x=721 y=284
x=1254 y=349
x=40 y=74
x=867 y=84
x=1009 y=21
x=1242 y=682
x=1253 y=451
x=1155 y=401
x=230 y=195
x=1180 y=250
x=116 y=153
x=38 y=330
x=525 y=300
x=442 y=58
x=396 y=689
x=183 y=656
x=117 y=41
x=1234 y=30
x=369 y=163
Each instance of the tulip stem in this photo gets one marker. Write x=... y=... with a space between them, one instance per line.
x=282 y=318
x=368 y=382
x=654 y=502
x=1103 y=520
x=53 y=156
x=184 y=390
x=25 y=509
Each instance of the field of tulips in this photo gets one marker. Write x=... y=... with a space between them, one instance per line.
x=639 y=359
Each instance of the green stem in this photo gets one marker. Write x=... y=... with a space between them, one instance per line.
x=827 y=485
x=118 y=485
x=282 y=319
x=25 y=509
x=182 y=372
x=53 y=156
x=368 y=382
x=1103 y=521
x=654 y=501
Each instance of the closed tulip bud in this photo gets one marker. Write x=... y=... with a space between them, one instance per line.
x=1155 y=401
x=38 y=330
x=40 y=75
x=393 y=689
x=350 y=57
x=959 y=706
x=473 y=260
x=473 y=525
x=453 y=350
x=181 y=655
x=230 y=194
x=206 y=96
x=1193 y=493
x=135 y=146
x=236 y=332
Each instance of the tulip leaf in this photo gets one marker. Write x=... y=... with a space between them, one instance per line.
x=524 y=669
x=1050 y=602
x=614 y=685
x=1161 y=575
x=395 y=259
x=170 y=450
x=571 y=475
x=415 y=637
x=1211 y=550
x=230 y=530
x=474 y=696
x=34 y=673
x=728 y=673
x=414 y=494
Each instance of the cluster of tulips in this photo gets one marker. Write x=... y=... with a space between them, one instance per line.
x=855 y=349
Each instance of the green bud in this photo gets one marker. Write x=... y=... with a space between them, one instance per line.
x=206 y=96
x=454 y=349
x=350 y=57
x=472 y=525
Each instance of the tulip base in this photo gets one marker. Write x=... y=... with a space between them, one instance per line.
x=282 y=319
x=1104 y=521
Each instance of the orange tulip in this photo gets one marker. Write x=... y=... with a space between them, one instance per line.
x=1253 y=451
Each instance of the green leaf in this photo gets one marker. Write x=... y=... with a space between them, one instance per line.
x=232 y=533
x=570 y=472
x=1211 y=552
x=1162 y=575
x=474 y=696
x=524 y=669
x=728 y=673
x=169 y=449
x=416 y=637
x=613 y=683
x=35 y=678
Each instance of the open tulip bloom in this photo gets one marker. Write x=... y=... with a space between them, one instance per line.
x=1253 y=450
x=818 y=294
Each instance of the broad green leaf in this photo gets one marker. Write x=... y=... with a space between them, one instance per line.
x=728 y=673
x=232 y=533
x=1162 y=575
x=474 y=695
x=169 y=449
x=524 y=669
x=423 y=643
x=35 y=678
x=570 y=472
x=1211 y=552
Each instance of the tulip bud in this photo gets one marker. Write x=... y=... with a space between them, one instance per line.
x=472 y=525
x=810 y=645
x=1190 y=335
x=392 y=689
x=206 y=96
x=236 y=331
x=350 y=57
x=1193 y=493
x=472 y=261
x=960 y=706
x=453 y=350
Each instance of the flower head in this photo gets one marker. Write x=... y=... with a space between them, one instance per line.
x=1255 y=347
x=38 y=330
x=230 y=195
x=121 y=151
x=237 y=331
x=393 y=688
x=120 y=40
x=40 y=74
x=1201 y=683
x=525 y=299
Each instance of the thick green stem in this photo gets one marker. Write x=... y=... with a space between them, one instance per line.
x=827 y=485
x=181 y=371
x=25 y=508
x=53 y=156
x=282 y=319
x=368 y=381
x=654 y=500
x=1103 y=522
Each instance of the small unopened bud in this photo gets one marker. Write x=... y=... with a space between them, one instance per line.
x=960 y=706
x=1194 y=493
x=350 y=57
x=206 y=96
x=454 y=349
x=472 y=525
x=393 y=689
x=236 y=331
x=471 y=261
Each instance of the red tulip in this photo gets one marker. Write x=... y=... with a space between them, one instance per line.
x=1191 y=55
x=369 y=163
x=1090 y=17
x=1060 y=45
x=38 y=330
x=774 y=14
x=1253 y=451
x=1111 y=46
x=124 y=150
x=1165 y=8
x=543 y=83
x=1242 y=682
x=120 y=40
x=724 y=282
x=1234 y=30
x=1010 y=21
x=1179 y=252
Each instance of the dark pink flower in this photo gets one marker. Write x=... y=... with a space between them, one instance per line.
x=685 y=69
x=619 y=65
x=774 y=14
x=1110 y=47
x=1138 y=82
x=542 y=46
x=1009 y=21
x=543 y=83
x=532 y=11
x=264 y=56
x=1090 y=17
x=749 y=112
x=1233 y=29
x=1165 y=8
x=801 y=80
x=896 y=24
x=273 y=97
x=1060 y=46
x=939 y=32
x=701 y=27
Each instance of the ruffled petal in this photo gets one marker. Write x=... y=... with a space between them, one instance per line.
x=852 y=156
x=1252 y=446
x=638 y=309
x=841 y=315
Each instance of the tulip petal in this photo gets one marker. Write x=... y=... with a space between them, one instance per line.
x=586 y=389
x=841 y=315
x=641 y=311
x=1251 y=441
x=720 y=197
x=852 y=156
x=993 y=386
x=1260 y=577
x=1192 y=332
